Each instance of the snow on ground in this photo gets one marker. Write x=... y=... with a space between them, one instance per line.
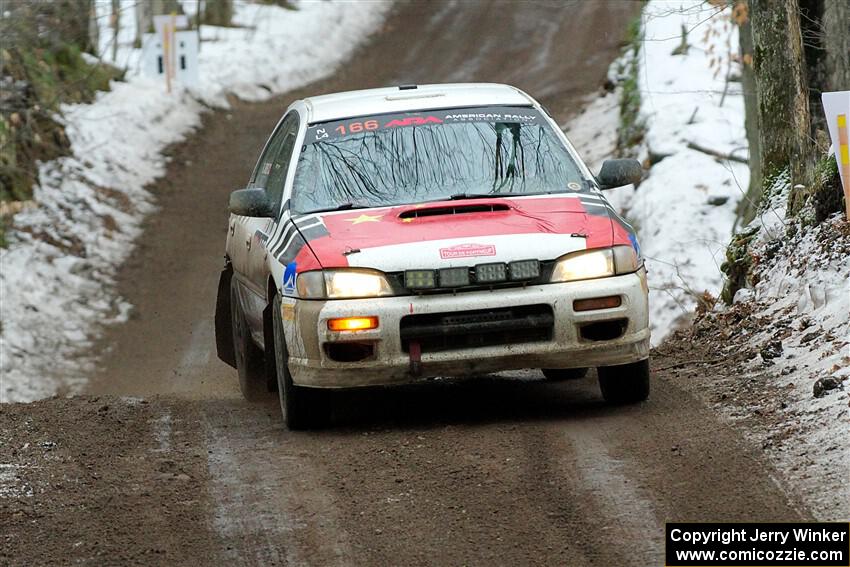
x=684 y=211
x=593 y=132
x=57 y=272
x=802 y=296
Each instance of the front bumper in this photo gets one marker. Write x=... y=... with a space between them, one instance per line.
x=308 y=334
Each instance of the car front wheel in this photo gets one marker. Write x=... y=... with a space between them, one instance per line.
x=626 y=383
x=302 y=408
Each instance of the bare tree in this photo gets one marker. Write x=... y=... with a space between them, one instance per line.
x=783 y=98
x=800 y=48
x=218 y=12
x=836 y=25
x=741 y=16
x=33 y=23
x=115 y=22
x=147 y=9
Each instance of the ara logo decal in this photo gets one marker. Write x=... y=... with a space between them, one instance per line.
x=467 y=251
x=289 y=278
x=413 y=121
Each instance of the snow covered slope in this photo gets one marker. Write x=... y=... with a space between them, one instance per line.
x=56 y=274
x=796 y=316
x=684 y=211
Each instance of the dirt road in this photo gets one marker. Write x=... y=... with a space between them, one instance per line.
x=487 y=472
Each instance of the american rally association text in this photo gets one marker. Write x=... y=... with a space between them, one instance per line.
x=726 y=536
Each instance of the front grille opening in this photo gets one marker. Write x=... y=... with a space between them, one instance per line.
x=480 y=328
x=604 y=330
x=452 y=210
x=349 y=351
x=397 y=281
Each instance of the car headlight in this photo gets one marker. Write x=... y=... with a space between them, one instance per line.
x=342 y=284
x=601 y=263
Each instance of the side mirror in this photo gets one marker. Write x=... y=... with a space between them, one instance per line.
x=619 y=172
x=251 y=203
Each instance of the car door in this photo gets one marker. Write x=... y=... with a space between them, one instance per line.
x=241 y=228
x=272 y=178
x=237 y=247
x=246 y=235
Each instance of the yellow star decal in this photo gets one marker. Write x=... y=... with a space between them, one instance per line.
x=364 y=218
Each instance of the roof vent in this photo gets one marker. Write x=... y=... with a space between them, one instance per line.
x=407 y=87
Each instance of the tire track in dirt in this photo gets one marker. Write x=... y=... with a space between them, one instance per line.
x=268 y=509
x=103 y=481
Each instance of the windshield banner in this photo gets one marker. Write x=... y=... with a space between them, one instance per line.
x=365 y=124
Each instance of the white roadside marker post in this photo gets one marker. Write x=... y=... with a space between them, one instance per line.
x=167 y=41
x=836 y=106
x=171 y=52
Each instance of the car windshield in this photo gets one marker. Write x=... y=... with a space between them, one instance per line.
x=426 y=156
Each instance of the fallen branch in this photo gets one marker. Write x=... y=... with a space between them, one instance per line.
x=717 y=154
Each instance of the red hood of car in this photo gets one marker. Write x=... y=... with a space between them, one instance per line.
x=333 y=237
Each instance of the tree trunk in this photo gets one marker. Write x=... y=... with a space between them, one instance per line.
x=199 y=15
x=218 y=12
x=116 y=26
x=836 y=25
x=749 y=205
x=811 y=27
x=782 y=93
x=147 y=9
x=144 y=21
x=94 y=33
x=65 y=22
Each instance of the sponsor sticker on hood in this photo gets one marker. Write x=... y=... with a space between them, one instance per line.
x=467 y=251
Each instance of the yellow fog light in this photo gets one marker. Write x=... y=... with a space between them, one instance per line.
x=597 y=303
x=353 y=323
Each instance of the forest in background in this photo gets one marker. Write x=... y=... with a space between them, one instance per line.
x=49 y=56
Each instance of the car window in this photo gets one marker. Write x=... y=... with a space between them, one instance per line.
x=273 y=166
x=433 y=155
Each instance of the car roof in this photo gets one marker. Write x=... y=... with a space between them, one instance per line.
x=408 y=98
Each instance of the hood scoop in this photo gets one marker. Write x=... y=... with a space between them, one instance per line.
x=453 y=210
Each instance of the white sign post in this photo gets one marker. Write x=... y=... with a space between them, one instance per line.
x=170 y=53
x=836 y=106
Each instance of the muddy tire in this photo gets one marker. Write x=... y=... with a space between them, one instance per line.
x=223 y=318
x=626 y=383
x=270 y=369
x=247 y=355
x=556 y=374
x=301 y=408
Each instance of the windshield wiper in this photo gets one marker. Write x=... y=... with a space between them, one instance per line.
x=462 y=196
x=340 y=207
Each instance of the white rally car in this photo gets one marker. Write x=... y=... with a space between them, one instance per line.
x=391 y=235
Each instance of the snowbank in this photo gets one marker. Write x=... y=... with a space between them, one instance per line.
x=56 y=276
x=684 y=211
x=801 y=300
